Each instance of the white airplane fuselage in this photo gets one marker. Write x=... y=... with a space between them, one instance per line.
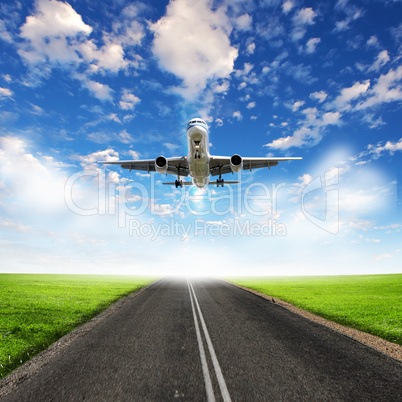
x=199 y=164
x=198 y=157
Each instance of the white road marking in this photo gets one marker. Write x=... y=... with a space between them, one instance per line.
x=218 y=371
x=205 y=370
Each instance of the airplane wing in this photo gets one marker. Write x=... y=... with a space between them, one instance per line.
x=148 y=165
x=221 y=164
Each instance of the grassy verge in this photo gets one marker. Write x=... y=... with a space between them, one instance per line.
x=36 y=310
x=370 y=303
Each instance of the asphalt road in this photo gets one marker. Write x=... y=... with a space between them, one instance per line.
x=209 y=340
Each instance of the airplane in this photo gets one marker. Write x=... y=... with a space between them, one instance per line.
x=198 y=164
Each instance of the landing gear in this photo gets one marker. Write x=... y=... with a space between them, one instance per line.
x=178 y=182
x=220 y=182
x=197 y=150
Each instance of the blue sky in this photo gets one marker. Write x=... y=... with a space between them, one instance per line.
x=119 y=80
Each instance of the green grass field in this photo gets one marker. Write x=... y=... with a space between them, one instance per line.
x=370 y=303
x=36 y=310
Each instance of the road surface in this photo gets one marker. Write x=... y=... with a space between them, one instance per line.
x=209 y=340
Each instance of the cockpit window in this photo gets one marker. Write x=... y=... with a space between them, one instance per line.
x=196 y=121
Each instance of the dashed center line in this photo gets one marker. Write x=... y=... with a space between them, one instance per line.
x=215 y=362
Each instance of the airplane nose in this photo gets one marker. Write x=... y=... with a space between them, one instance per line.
x=196 y=133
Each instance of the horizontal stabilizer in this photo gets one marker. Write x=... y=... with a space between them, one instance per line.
x=214 y=183
x=211 y=183
x=185 y=183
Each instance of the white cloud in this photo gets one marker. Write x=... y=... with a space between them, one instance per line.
x=389 y=146
x=246 y=70
x=297 y=105
x=385 y=256
x=125 y=137
x=396 y=33
x=330 y=118
x=237 y=115
x=113 y=117
x=79 y=238
x=251 y=48
x=15 y=226
x=312 y=44
x=99 y=137
x=222 y=88
x=301 y=20
x=37 y=110
x=128 y=101
x=108 y=155
x=56 y=33
x=299 y=72
x=298 y=187
x=382 y=59
x=55 y=36
x=385 y=90
x=113 y=177
x=244 y=22
x=352 y=14
x=272 y=30
x=296 y=140
x=310 y=131
x=287 y=6
x=394 y=227
x=358 y=201
x=101 y=91
x=361 y=224
x=50 y=161
x=30 y=185
x=373 y=41
x=305 y=16
x=162 y=209
x=171 y=147
x=4 y=34
x=46 y=33
x=134 y=154
x=109 y=57
x=342 y=102
x=372 y=121
x=126 y=29
x=320 y=96
x=251 y=105
x=194 y=52
x=5 y=92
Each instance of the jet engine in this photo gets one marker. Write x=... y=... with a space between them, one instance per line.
x=236 y=163
x=161 y=164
